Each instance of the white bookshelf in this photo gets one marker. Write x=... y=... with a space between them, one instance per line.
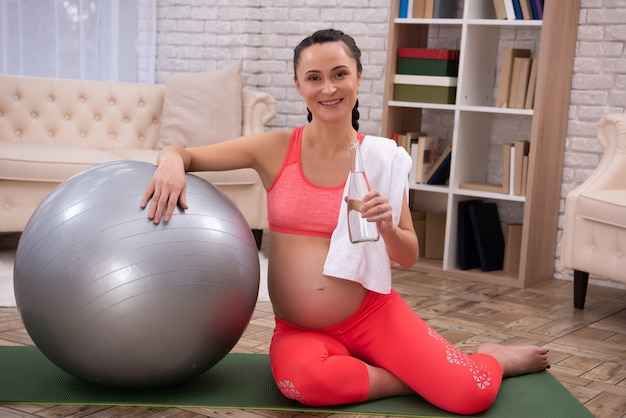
x=471 y=119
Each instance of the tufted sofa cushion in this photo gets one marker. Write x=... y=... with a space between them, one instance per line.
x=82 y=113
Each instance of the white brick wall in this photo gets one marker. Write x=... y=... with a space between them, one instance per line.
x=196 y=35
x=200 y=35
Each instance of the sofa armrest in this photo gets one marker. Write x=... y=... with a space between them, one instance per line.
x=610 y=172
x=258 y=109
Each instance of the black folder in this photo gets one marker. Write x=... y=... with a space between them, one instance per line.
x=488 y=235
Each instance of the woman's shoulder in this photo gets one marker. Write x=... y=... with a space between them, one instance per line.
x=270 y=145
x=278 y=136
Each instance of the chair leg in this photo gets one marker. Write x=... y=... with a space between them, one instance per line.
x=258 y=237
x=581 y=279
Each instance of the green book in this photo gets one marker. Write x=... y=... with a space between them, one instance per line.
x=422 y=66
x=424 y=94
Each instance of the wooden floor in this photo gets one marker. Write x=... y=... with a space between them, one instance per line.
x=587 y=348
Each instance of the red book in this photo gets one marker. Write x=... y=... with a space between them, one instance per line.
x=427 y=53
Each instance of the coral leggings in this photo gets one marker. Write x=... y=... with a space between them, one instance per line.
x=328 y=366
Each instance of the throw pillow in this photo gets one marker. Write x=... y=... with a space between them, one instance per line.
x=202 y=108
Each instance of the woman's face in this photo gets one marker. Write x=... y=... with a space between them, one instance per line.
x=328 y=80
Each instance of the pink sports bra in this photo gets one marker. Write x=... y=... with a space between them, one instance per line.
x=297 y=206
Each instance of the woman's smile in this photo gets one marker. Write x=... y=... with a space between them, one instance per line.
x=331 y=102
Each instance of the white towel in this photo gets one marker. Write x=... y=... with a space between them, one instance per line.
x=387 y=168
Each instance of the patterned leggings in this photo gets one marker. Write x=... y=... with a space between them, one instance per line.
x=327 y=367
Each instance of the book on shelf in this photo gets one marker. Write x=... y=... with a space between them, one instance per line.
x=480 y=186
x=403 y=13
x=517 y=9
x=421 y=9
x=488 y=235
x=506 y=69
x=515 y=157
x=413 y=171
x=510 y=10
x=532 y=84
x=443 y=9
x=512 y=248
x=426 y=66
x=537 y=8
x=405 y=139
x=512 y=169
x=425 y=80
x=426 y=156
x=500 y=9
x=429 y=7
x=424 y=94
x=522 y=149
x=416 y=8
x=441 y=63
x=435 y=235
x=527 y=12
x=524 y=175
x=467 y=253
x=429 y=53
x=519 y=82
x=400 y=139
x=440 y=172
x=506 y=167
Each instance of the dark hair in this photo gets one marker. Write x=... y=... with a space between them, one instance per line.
x=331 y=35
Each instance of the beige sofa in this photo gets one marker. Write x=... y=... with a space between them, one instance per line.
x=50 y=129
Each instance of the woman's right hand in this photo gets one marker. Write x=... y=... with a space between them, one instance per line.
x=166 y=189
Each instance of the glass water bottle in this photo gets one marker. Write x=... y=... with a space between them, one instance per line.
x=360 y=229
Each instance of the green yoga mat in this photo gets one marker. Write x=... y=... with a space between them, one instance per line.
x=244 y=381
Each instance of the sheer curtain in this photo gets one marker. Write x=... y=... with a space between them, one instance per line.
x=111 y=40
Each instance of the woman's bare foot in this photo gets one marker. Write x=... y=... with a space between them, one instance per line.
x=517 y=360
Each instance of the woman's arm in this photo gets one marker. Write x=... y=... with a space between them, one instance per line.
x=167 y=188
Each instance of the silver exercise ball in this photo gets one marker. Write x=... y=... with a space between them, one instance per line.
x=115 y=300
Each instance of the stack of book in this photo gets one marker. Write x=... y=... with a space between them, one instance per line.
x=429 y=166
x=517 y=79
x=426 y=9
x=424 y=155
x=426 y=75
x=515 y=167
x=519 y=9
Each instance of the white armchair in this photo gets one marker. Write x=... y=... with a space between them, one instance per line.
x=594 y=229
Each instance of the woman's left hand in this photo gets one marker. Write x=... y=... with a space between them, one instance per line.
x=376 y=208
